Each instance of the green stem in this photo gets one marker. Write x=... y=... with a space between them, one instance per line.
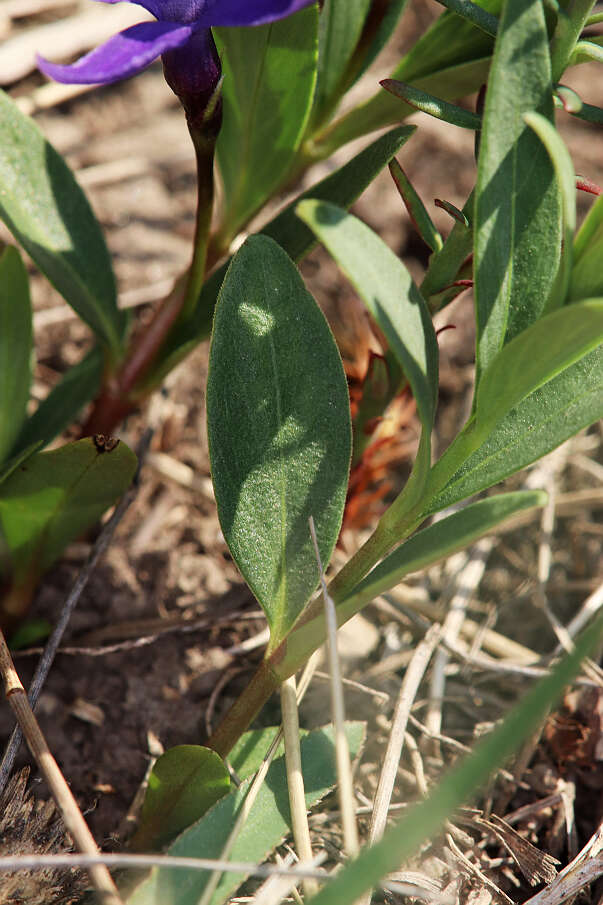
x=569 y=26
x=263 y=684
x=204 y=152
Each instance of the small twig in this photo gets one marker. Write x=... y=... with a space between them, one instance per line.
x=466 y=582
x=54 y=641
x=276 y=888
x=408 y=692
x=295 y=777
x=66 y=803
x=144 y=862
x=475 y=871
x=345 y=785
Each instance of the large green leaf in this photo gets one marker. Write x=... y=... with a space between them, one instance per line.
x=279 y=428
x=517 y=227
x=341 y=24
x=47 y=212
x=426 y=819
x=64 y=402
x=342 y=187
x=15 y=347
x=184 y=783
x=266 y=826
x=547 y=418
x=394 y=301
x=269 y=79
x=52 y=497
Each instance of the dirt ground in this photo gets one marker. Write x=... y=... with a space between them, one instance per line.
x=165 y=634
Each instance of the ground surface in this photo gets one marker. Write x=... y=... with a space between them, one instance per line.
x=155 y=652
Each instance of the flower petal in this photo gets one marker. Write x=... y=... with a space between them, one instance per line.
x=186 y=12
x=246 y=12
x=121 y=56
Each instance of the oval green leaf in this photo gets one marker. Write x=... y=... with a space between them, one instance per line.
x=48 y=214
x=52 y=497
x=267 y=824
x=15 y=347
x=279 y=429
x=184 y=783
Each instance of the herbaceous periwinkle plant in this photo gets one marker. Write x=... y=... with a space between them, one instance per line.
x=280 y=431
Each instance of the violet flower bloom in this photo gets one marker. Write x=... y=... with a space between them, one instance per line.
x=181 y=35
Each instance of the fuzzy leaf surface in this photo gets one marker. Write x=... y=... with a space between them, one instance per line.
x=517 y=228
x=279 y=429
x=48 y=214
x=266 y=826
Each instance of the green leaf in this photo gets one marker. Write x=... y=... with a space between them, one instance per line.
x=586 y=279
x=537 y=355
x=444 y=265
x=379 y=27
x=247 y=754
x=474 y=14
x=64 y=402
x=47 y=212
x=543 y=421
x=184 y=784
x=517 y=216
x=15 y=347
x=341 y=25
x=266 y=826
x=442 y=539
x=269 y=79
x=342 y=187
x=426 y=819
x=450 y=60
x=566 y=178
x=7 y=468
x=279 y=429
x=52 y=497
x=421 y=220
x=423 y=549
x=392 y=298
x=433 y=106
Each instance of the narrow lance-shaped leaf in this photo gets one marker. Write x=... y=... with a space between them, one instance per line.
x=15 y=347
x=424 y=821
x=279 y=429
x=517 y=212
x=586 y=280
x=266 y=826
x=394 y=301
x=342 y=187
x=64 y=402
x=269 y=78
x=421 y=220
x=536 y=356
x=341 y=24
x=450 y=60
x=532 y=360
x=544 y=420
x=423 y=549
x=566 y=179
x=47 y=212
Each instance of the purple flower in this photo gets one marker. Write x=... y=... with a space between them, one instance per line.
x=181 y=33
